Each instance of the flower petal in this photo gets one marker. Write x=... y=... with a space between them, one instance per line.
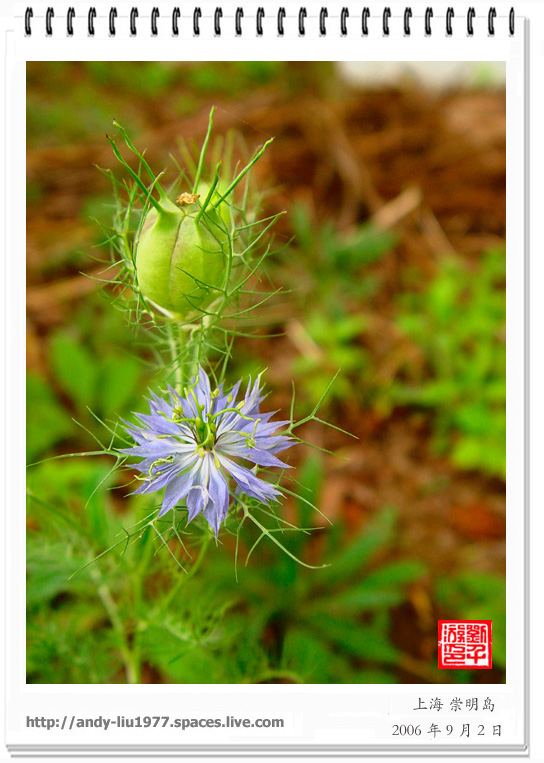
x=248 y=482
x=177 y=488
x=203 y=390
x=217 y=508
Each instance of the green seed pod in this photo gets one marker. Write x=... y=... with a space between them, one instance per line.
x=181 y=256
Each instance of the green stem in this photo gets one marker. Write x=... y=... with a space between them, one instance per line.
x=203 y=150
x=130 y=660
x=210 y=193
x=175 y=353
x=142 y=569
x=201 y=554
x=134 y=176
x=194 y=569
x=140 y=575
x=193 y=343
x=140 y=156
x=239 y=177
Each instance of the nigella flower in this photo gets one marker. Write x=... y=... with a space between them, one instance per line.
x=192 y=445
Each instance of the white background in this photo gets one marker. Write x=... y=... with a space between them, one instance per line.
x=350 y=704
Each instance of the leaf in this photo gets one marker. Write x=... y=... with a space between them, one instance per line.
x=361 y=598
x=382 y=588
x=191 y=644
x=396 y=573
x=304 y=227
x=355 y=557
x=306 y=655
x=102 y=523
x=310 y=477
x=119 y=377
x=482 y=586
x=183 y=661
x=47 y=423
x=458 y=323
x=70 y=645
x=362 y=641
x=364 y=247
x=49 y=566
x=75 y=369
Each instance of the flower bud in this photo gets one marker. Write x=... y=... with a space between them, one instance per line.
x=181 y=255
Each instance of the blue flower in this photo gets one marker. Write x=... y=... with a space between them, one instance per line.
x=192 y=445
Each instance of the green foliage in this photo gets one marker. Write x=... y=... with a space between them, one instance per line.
x=66 y=622
x=334 y=272
x=456 y=322
x=329 y=625
x=327 y=347
x=193 y=643
x=129 y=608
x=105 y=383
x=458 y=325
x=96 y=621
x=338 y=264
x=140 y=93
x=47 y=422
x=92 y=374
x=74 y=369
x=150 y=79
x=233 y=78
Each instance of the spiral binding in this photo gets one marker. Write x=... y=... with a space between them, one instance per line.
x=324 y=26
x=385 y=21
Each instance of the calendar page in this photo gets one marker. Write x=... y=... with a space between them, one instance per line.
x=267 y=341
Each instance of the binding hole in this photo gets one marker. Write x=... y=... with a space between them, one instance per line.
x=28 y=15
x=90 y=21
x=238 y=21
x=217 y=21
x=113 y=16
x=364 y=21
x=281 y=17
x=49 y=14
x=155 y=14
x=512 y=21
x=133 y=16
x=407 y=17
x=197 y=13
x=176 y=13
x=323 y=14
x=70 y=14
x=491 y=16
x=301 y=17
x=385 y=21
x=343 y=16
x=449 y=15
x=428 y=16
x=259 y=21
x=471 y=13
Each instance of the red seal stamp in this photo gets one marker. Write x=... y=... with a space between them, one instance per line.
x=464 y=644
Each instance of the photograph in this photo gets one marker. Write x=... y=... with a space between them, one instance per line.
x=266 y=372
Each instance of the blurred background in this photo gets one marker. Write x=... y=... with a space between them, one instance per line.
x=391 y=262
